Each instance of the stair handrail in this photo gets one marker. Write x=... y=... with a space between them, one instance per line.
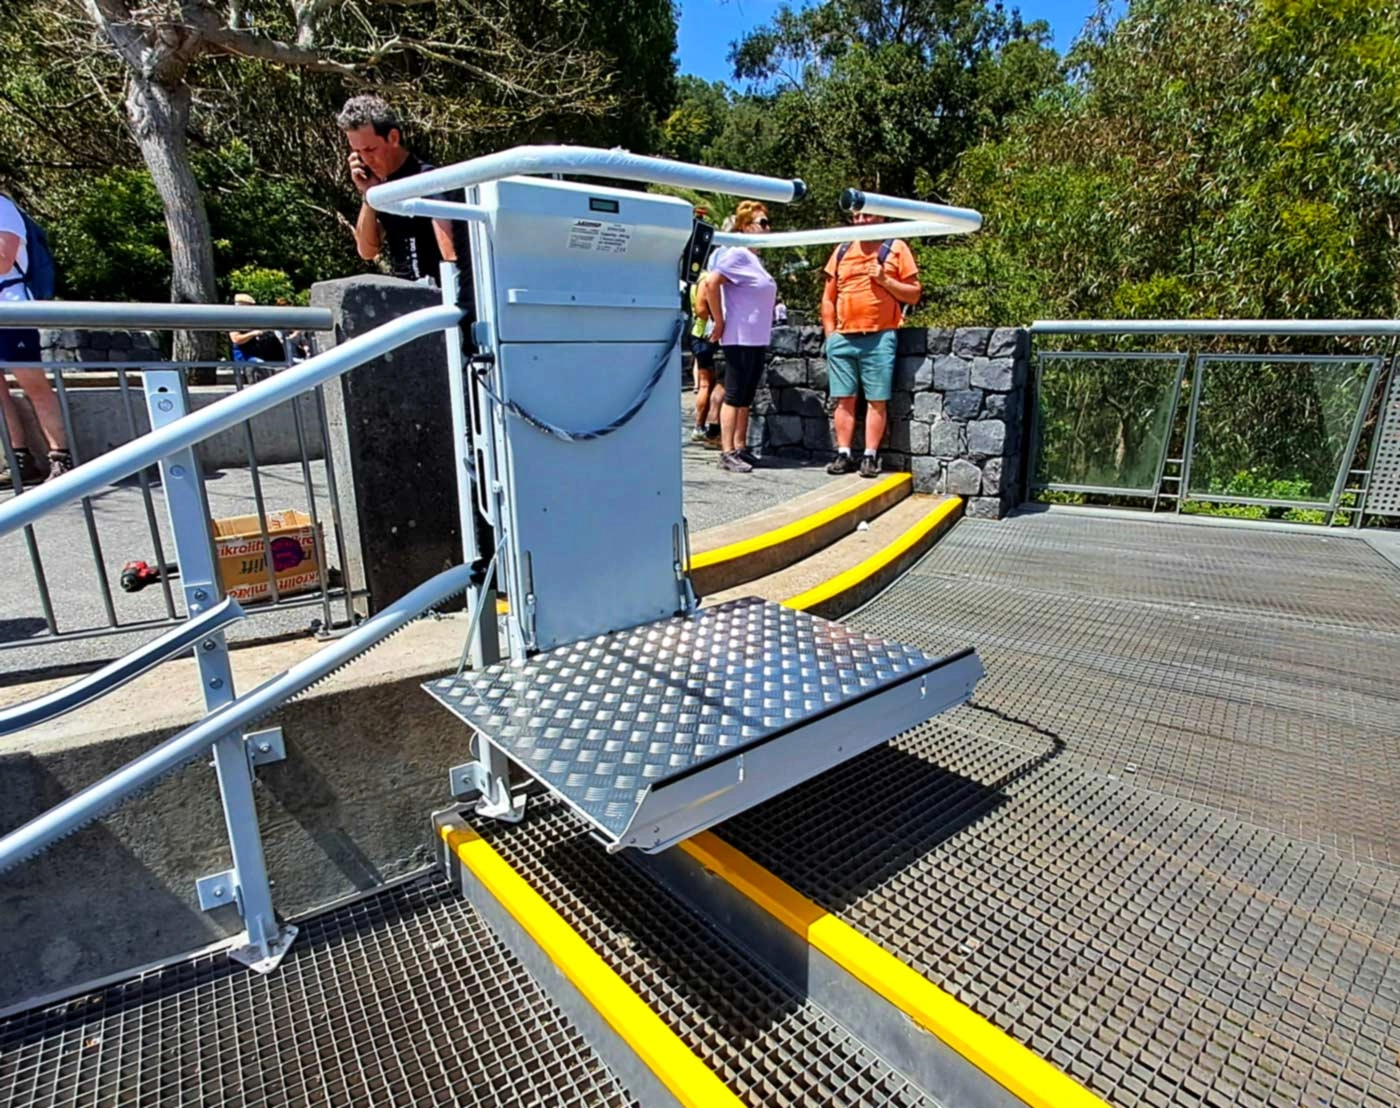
x=141 y=452
x=96 y=800
x=95 y=685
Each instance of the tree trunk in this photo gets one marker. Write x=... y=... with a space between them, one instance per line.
x=159 y=118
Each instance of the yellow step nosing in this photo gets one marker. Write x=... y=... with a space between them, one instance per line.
x=864 y=570
x=1015 y=1067
x=688 y=1079
x=798 y=527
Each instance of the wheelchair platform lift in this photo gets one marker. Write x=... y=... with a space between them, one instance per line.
x=651 y=717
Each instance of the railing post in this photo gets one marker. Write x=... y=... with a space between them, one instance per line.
x=246 y=883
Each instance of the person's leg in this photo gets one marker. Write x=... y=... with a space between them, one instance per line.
x=704 y=385
x=728 y=417
x=12 y=420
x=35 y=383
x=845 y=420
x=741 y=428
x=843 y=377
x=877 y=382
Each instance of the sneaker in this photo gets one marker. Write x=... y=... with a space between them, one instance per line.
x=869 y=467
x=712 y=443
x=60 y=462
x=733 y=463
x=29 y=471
x=697 y=435
x=749 y=456
x=842 y=463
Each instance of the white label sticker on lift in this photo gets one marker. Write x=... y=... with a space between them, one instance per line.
x=601 y=238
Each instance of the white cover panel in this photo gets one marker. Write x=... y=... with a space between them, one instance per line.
x=595 y=518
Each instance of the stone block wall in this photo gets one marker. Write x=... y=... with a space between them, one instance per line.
x=100 y=346
x=955 y=416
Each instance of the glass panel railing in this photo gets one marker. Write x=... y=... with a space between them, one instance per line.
x=1276 y=429
x=1103 y=420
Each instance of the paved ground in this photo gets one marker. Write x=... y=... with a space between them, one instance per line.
x=123 y=533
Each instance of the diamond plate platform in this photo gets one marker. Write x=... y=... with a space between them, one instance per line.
x=658 y=732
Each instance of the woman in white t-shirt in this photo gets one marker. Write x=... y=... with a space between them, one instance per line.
x=22 y=345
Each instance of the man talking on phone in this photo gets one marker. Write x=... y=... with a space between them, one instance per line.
x=413 y=245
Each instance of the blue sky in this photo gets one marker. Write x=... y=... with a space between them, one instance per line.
x=707 y=27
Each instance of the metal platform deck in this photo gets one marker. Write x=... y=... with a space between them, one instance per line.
x=655 y=733
x=1161 y=847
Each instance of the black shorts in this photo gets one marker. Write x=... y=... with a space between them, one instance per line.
x=19 y=344
x=742 y=373
x=704 y=351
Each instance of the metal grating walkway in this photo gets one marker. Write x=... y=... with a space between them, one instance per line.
x=764 y=1040
x=405 y=998
x=1162 y=847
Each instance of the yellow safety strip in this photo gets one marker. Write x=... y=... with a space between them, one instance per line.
x=872 y=565
x=1000 y=1057
x=798 y=527
x=689 y=1080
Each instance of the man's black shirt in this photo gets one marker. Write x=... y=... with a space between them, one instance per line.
x=410 y=244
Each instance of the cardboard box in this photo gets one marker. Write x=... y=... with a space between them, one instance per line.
x=242 y=557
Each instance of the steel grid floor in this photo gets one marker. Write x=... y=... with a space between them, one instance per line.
x=1162 y=846
x=404 y=998
x=763 y=1039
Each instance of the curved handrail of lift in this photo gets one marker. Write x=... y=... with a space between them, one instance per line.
x=115 y=674
x=96 y=800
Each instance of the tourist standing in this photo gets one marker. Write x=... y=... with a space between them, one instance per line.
x=868 y=285
x=741 y=298
x=21 y=344
x=414 y=246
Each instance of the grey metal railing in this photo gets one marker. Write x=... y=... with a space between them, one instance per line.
x=1208 y=429
x=104 y=402
x=170 y=444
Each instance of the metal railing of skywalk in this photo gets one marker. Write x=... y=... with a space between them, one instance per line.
x=266 y=469
x=170 y=445
x=1242 y=417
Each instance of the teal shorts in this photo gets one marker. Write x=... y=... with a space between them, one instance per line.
x=861 y=364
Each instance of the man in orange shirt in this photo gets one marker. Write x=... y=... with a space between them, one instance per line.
x=867 y=286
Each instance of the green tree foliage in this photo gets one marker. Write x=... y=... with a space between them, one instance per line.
x=1234 y=158
x=701 y=111
x=880 y=94
x=468 y=76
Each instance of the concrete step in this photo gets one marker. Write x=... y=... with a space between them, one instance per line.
x=765 y=542
x=842 y=576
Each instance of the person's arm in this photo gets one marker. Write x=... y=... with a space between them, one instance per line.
x=442 y=231
x=829 y=306
x=238 y=338
x=906 y=292
x=367 y=233
x=714 y=299
x=367 y=230
x=702 y=303
x=903 y=283
x=9 y=251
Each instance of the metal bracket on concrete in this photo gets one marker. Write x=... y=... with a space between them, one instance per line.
x=216 y=890
x=254 y=957
x=265 y=747
x=489 y=781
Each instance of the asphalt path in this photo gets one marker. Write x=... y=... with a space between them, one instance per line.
x=123 y=530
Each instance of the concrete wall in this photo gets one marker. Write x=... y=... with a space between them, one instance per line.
x=956 y=415
x=368 y=755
